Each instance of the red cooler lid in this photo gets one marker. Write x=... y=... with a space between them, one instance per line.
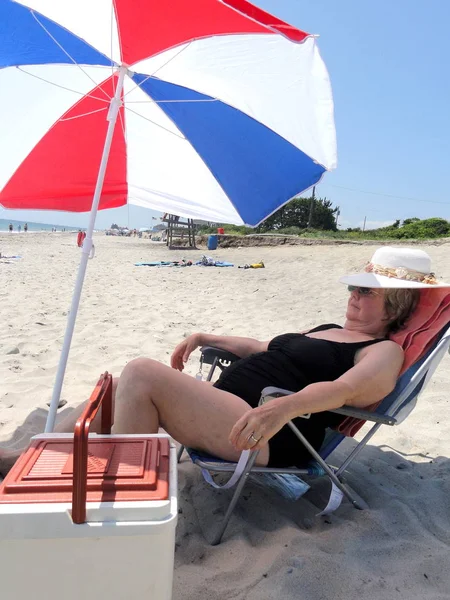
x=119 y=469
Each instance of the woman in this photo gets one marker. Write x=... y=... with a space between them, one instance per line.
x=330 y=366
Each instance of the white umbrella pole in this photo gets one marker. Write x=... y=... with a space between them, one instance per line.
x=85 y=253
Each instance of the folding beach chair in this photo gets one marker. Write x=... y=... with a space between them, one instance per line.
x=391 y=411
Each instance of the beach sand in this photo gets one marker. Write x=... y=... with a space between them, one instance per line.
x=272 y=548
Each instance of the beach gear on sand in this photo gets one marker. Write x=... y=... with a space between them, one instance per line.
x=259 y=265
x=208 y=261
x=165 y=263
x=99 y=519
x=217 y=263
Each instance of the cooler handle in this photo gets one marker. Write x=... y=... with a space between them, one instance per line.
x=100 y=397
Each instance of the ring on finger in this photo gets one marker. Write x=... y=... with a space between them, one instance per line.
x=252 y=437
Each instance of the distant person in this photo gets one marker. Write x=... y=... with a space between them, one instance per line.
x=25 y=227
x=80 y=238
x=19 y=228
x=10 y=227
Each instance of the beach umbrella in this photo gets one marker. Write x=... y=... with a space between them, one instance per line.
x=208 y=109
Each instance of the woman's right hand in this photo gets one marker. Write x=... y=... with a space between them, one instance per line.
x=184 y=349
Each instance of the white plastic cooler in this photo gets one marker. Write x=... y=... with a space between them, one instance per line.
x=90 y=520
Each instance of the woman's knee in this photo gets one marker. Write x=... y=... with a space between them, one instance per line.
x=139 y=369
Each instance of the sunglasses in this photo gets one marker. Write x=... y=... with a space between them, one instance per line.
x=362 y=291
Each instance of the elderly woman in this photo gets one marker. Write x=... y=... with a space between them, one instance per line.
x=331 y=365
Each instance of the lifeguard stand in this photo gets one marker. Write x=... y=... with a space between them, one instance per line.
x=181 y=231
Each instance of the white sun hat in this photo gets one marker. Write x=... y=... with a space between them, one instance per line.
x=392 y=267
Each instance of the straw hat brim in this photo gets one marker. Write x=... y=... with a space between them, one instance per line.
x=371 y=280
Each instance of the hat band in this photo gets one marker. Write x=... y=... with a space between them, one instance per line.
x=401 y=273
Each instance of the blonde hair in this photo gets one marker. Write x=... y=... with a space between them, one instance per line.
x=399 y=304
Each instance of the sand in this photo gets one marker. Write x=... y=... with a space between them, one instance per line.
x=399 y=548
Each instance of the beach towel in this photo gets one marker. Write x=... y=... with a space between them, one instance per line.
x=208 y=261
x=165 y=263
x=217 y=263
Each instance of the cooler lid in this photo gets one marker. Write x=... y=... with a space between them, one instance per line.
x=120 y=469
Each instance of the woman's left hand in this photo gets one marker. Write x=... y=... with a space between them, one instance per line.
x=255 y=428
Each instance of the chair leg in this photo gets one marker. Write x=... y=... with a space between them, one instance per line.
x=331 y=474
x=180 y=453
x=240 y=486
x=358 y=449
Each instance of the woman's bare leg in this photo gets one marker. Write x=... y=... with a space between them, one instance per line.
x=151 y=395
x=67 y=425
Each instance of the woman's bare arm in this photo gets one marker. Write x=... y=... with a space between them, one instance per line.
x=369 y=381
x=241 y=346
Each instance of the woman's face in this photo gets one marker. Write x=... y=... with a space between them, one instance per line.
x=366 y=306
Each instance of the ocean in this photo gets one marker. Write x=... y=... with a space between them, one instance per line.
x=4 y=226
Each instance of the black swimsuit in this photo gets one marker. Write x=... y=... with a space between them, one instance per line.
x=292 y=362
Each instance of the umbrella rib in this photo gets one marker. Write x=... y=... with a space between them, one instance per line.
x=83 y=115
x=67 y=54
x=138 y=85
x=111 y=50
x=156 y=124
x=122 y=124
x=173 y=57
x=62 y=86
x=151 y=101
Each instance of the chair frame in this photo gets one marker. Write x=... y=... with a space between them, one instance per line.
x=423 y=370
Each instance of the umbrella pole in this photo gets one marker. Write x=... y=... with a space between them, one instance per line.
x=85 y=253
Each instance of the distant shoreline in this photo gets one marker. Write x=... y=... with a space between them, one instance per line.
x=35 y=227
x=246 y=241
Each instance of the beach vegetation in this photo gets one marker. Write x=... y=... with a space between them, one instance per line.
x=302 y=213
x=316 y=218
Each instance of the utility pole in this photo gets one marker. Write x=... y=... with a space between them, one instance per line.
x=364 y=226
x=338 y=212
x=311 y=206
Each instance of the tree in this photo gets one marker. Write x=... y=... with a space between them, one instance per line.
x=428 y=228
x=296 y=214
x=409 y=221
x=415 y=229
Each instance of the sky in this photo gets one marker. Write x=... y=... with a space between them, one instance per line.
x=389 y=67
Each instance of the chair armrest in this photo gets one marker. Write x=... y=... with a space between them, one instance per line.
x=209 y=354
x=348 y=411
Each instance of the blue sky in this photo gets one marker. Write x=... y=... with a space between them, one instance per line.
x=389 y=64
x=389 y=68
